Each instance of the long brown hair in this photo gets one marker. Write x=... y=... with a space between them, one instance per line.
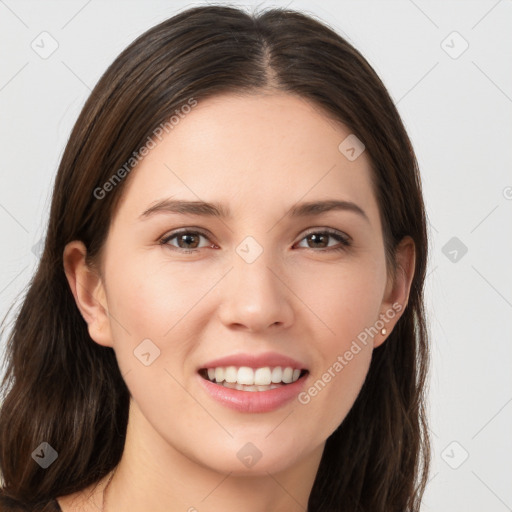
x=62 y=388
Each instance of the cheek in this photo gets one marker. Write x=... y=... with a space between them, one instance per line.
x=152 y=296
x=333 y=389
x=343 y=299
x=152 y=338
x=151 y=301
x=348 y=305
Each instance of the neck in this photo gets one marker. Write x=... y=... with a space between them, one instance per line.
x=152 y=475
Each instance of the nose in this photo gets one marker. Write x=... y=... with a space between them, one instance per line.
x=255 y=296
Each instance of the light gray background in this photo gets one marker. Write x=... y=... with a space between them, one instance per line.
x=457 y=111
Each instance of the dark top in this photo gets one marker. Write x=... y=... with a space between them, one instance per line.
x=10 y=505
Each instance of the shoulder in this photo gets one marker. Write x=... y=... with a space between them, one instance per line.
x=10 y=505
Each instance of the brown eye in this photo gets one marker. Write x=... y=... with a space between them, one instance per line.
x=321 y=240
x=187 y=241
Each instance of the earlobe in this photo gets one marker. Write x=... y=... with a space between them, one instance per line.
x=398 y=288
x=88 y=291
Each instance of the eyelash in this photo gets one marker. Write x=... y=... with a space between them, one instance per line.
x=342 y=238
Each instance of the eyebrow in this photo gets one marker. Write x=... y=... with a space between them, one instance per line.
x=205 y=209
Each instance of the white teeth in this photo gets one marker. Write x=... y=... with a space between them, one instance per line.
x=245 y=375
x=230 y=374
x=263 y=376
x=277 y=374
x=249 y=379
x=219 y=374
x=287 y=375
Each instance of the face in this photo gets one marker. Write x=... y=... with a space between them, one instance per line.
x=262 y=284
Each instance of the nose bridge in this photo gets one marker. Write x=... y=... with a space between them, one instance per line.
x=255 y=297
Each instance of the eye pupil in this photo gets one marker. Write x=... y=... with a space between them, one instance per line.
x=316 y=237
x=186 y=236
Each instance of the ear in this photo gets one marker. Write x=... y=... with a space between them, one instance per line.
x=89 y=292
x=398 y=287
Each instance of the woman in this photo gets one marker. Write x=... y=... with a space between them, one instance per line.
x=228 y=312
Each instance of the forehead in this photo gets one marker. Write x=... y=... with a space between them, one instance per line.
x=253 y=153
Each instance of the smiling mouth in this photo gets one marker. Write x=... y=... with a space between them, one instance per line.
x=244 y=378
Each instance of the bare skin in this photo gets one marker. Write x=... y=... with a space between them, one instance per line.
x=258 y=155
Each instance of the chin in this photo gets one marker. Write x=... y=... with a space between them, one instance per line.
x=258 y=457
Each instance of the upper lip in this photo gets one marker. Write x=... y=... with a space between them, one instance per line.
x=271 y=359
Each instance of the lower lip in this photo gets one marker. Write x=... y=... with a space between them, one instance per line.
x=254 y=401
